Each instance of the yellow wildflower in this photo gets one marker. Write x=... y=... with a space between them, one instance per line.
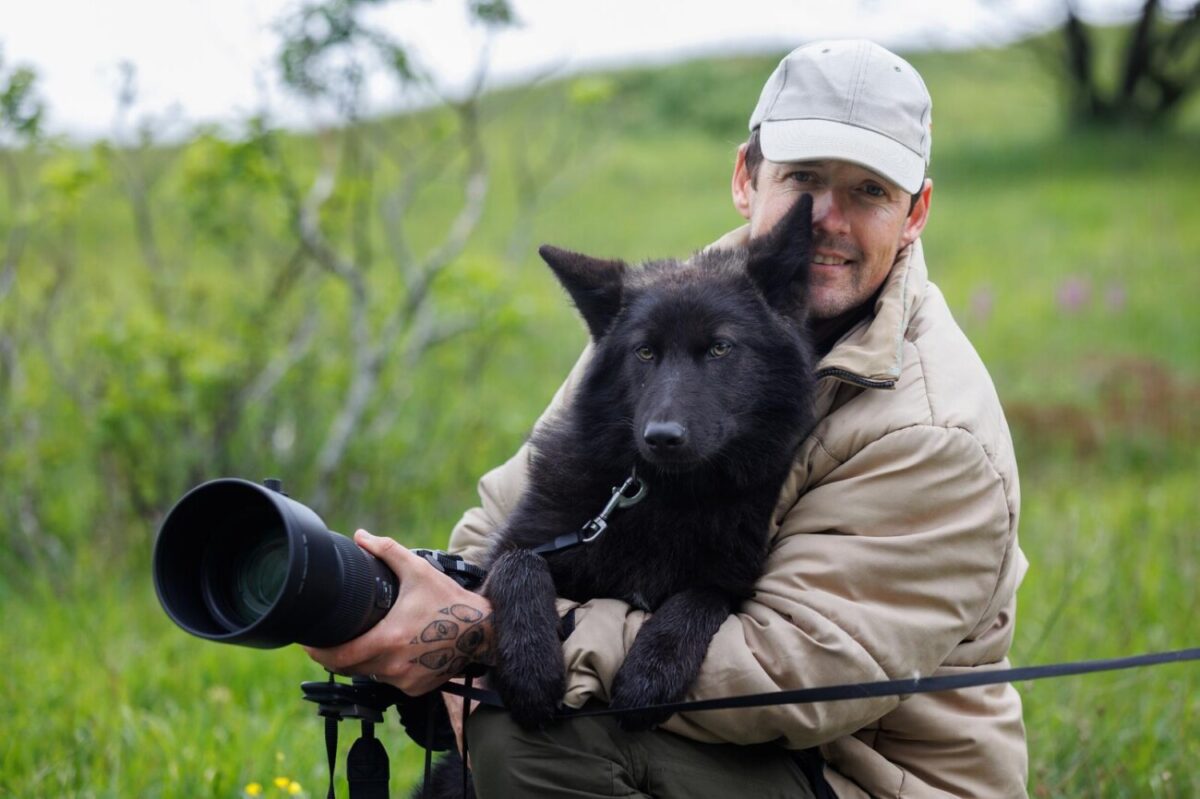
x=294 y=788
x=253 y=789
x=282 y=782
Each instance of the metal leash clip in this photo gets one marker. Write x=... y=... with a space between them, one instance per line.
x=620 y=499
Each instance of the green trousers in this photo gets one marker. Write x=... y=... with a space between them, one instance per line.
x=591 y=757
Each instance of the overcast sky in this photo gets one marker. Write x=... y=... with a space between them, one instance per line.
x=213 y=60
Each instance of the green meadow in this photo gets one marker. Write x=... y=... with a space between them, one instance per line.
x=1071 y=258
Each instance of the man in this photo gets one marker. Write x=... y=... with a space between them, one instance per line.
x=893 y=550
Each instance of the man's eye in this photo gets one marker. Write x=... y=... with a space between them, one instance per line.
x=875 y=190
x=644 y=353
x=720 y=349
x=802 y=177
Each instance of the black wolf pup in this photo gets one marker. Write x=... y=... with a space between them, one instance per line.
x=702 y=379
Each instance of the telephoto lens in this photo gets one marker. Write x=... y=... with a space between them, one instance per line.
x=242 y=563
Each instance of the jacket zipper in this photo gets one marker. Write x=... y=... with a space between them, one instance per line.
x=850 y=377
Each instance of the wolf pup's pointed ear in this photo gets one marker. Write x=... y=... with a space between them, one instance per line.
x=778 y=262
x=593 y=283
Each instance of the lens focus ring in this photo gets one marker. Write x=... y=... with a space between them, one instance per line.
x=357 y=608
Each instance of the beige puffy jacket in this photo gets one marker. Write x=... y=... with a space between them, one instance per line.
x=893 y=553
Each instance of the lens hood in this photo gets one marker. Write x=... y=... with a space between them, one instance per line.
x=242 y=563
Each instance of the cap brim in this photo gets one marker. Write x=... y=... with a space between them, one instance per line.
x=820 y=139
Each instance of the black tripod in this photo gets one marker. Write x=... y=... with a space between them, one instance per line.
x=367 y=770
x=367 y=763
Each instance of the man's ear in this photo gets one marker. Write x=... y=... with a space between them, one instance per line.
x=593 y=283
x=742 y=185
x=918 y=216
x=778 y=261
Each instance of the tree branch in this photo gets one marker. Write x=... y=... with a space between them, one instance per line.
x=371 y=353
x=1170 y=70
x=367 y=364
x=425 y=337
x=420 y=281
x=1080 y=72
x=394 y=207
x=1137 y=55
x=262 y=386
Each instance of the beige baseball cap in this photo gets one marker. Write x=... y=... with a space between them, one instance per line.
x=849 y=100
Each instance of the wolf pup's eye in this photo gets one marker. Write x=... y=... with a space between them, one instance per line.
x=719 y=349
x=644 y=353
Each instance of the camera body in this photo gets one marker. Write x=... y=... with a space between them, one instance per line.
x=243 y=563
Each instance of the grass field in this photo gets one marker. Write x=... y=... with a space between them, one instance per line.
x=1073 y=262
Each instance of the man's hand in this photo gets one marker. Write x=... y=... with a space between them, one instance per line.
x=435 y=628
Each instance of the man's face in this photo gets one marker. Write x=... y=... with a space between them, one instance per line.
x=860 y=222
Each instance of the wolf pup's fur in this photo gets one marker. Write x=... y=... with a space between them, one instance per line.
x=702 y=378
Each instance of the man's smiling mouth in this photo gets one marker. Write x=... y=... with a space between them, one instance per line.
x=830 y=260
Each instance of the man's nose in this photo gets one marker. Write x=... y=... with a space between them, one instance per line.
x=827 y=212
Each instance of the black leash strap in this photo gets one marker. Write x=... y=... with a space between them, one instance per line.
x=865 y=690
x=466 y=713
x=430 y=710
x=431 y=699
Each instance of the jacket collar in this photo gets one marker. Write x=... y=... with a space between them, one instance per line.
x=871 y=352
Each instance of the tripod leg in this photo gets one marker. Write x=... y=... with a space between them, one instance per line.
x=367 y=766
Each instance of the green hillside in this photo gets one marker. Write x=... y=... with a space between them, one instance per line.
x=1071 y=259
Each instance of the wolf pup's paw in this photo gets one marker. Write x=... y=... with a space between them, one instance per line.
x=631 y=689
x=531 y=690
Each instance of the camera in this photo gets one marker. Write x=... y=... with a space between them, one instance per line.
x=243 y=563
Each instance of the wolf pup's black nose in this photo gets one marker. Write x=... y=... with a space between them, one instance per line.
x=664 y=434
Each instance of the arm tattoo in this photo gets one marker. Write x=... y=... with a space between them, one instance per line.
x=463 y=642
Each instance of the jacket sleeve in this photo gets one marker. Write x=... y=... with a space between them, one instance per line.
x=875 y=573
x=500 y=488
